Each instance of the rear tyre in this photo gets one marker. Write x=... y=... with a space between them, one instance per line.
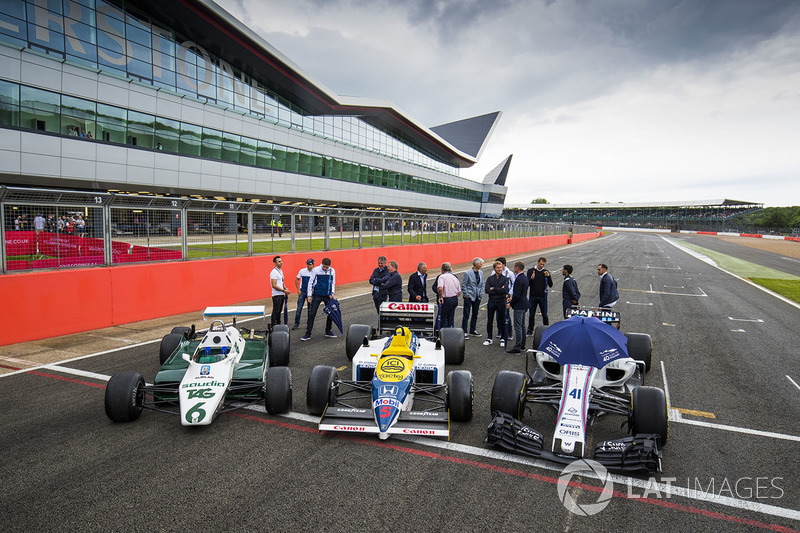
x=508 y=393
x=537 y=335
x=182 y=330
x=279 y=349
x=460 y=394
x=322 y=389
x=124 y=396
x=278 y=390
x=355 y=338
x=640 y=347
x=454 y=346
x=649 y=412
x=168 y=346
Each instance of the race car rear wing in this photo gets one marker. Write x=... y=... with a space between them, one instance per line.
x=420 y=318
x=234 y=311
x=604 y=314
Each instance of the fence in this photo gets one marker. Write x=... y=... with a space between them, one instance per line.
x=55 y=229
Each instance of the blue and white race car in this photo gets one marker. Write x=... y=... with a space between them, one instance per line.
x=398 y=383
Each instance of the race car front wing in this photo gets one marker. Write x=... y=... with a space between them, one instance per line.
x=428 y=423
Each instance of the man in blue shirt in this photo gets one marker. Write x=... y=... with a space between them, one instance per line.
x=321 y=288
x=301 y=283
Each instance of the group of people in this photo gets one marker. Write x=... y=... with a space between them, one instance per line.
x=314 y=285
x=73 y=224
x=512 y=293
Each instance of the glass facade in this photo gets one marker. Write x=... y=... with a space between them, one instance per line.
x=51 y=112
x=118 y=38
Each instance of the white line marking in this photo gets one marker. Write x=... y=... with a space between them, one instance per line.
x=746 y=319
x=735 y=429
x=793 y=382
x=708 y=260
x=738 y=330
x=669 y=489
x=673 y=414
x=638 y=303
x=791 y=259
x=670 y=325
x=673 y=287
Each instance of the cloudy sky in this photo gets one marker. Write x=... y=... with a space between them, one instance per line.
x=602 y=100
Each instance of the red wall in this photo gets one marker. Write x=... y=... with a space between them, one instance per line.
x=40 y=305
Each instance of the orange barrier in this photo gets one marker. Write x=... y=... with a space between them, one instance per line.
x=39 y=305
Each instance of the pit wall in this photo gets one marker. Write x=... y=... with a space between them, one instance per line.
x=40 y=305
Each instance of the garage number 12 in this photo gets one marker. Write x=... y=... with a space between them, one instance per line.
x=575 y=393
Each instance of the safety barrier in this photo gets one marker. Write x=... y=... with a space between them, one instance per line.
x=51 y=303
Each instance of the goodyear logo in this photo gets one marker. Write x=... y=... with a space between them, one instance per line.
x=392 y=369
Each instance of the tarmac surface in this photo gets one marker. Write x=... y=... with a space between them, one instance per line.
x=725 y=352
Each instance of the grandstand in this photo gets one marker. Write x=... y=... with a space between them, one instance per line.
x=698 y=215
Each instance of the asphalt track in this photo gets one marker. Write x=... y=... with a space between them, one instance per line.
x=727 y=350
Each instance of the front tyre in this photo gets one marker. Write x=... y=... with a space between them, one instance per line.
x=538 y=331
x=124 y=396
x=453 y=343
x=279 y=348
x=508 y=394
x=322 y=389
x=640 y=347
x=168 y=346
x=278 y=390
x=355 y=338
x=649 y=412
x=460 y=394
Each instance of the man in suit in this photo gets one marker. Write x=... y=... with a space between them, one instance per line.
x=417 y=290
x=392 y=288
x=472 y=284
x=570 y=295
x=497 y=289
x=379 y=275
x=539 y=281
x=608 y=287
x=520 y=304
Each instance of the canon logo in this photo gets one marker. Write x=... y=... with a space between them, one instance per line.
x=408 y=307
x=419 y=431
x=348 y=428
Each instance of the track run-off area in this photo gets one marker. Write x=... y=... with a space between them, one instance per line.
x=725 y=352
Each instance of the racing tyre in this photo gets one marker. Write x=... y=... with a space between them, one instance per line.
x=181 y=330
x=355 y=338
x=278 y=392
x=640 y=347
x=537 y=336
x=279 y=348
x=453 y=344
x=124 y=396
x=508 y=393
x=322 y=389
x=649 y=412
x=168 y=346
x=460 y=395
x=280 y=327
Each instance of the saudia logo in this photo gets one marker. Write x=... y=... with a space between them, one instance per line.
x=408 y=307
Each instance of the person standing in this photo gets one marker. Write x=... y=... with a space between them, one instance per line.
x=377 y=278
x=539 y=282
x=472 y=284
x=417 y=290
x=570 y=295
x=392 y=288
x=449 y=288
x=321 y=288
x=279 y=290
x=497 y=288
x=520 y=304
x=301 y=284
x=608 y=287
x=510 y=277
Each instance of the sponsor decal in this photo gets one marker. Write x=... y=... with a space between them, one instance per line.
x=569 y=432
x=206 y=384
x=349 y=428
x=423 y=413
x=391 y=369
x=388 y=390
x=394 y=306
x=205 y=370
x=419 y=431
x=350 y=410
x=613 y=445
x=386 y=401
x=607 y=355
x=573 y=426
x=572 y=410
x=553 y=350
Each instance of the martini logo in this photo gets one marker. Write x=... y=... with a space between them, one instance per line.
x=591 y=469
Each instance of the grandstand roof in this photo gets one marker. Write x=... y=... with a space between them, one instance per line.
x=725 y=202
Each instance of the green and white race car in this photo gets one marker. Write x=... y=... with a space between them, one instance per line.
x=228 y=368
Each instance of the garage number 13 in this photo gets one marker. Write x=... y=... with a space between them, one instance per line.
x=575 y=393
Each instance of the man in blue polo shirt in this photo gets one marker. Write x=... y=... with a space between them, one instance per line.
x=301 y=284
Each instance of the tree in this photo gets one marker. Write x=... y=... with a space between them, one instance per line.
x=539 y=201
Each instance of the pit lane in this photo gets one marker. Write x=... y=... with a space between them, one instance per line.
x=70 y=468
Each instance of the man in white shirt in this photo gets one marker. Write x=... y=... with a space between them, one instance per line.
x=279 y=290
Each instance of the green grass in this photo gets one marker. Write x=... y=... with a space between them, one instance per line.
x=788 y=288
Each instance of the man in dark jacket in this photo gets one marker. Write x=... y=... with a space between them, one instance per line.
x=570 y=295
x=497 y=289
x=417 y=290
x=379 y=275
x=608 y=287
x=520 y=304
x=392 y=288
x=539 y=280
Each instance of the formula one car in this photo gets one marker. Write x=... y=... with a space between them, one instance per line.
x=398 y=384
x=228 y=368
x=583 y=381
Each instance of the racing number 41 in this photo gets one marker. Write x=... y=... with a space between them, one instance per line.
x=575 y=393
